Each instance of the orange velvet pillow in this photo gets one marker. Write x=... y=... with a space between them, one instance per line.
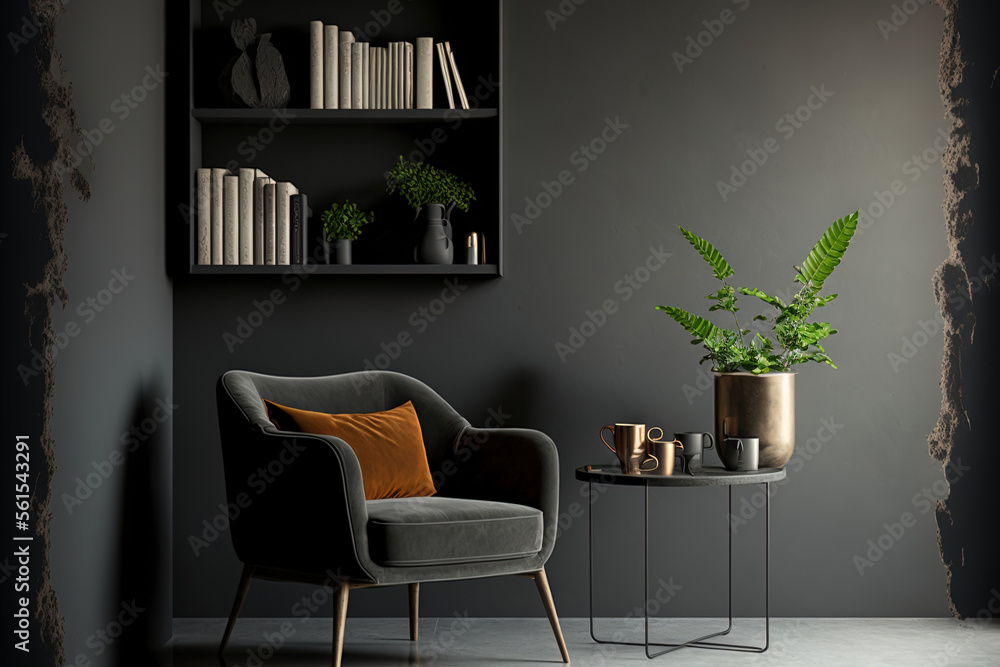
x=389 y=446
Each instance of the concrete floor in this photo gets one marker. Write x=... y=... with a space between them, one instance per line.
x=495 y=642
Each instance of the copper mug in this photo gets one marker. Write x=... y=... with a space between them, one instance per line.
x=665 y=451
x=631 y=446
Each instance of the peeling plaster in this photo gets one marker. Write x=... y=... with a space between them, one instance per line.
x=48 y=181
x=961 y=178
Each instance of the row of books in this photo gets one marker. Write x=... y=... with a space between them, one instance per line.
x=249 y=218
x=345 y=73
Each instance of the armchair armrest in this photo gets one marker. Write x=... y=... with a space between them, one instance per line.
x=508 y=465
x=301 y=503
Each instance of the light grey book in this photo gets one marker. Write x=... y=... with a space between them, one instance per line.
x=316 y=65
x=382 y=61
x=270 y=220
x=231 y=220
x=400 y=74
x=246 y=177
x=370 y=73
x=331 y=67
x=458 y=79
x=424 y=74
x=259 y=182
x=346 y=41
x=283 y=222
x=390 y=102
x=407 y=75
x=357 y=75
x=203 y=229
x=365 y=77
x=445 y=67
x=218 y=179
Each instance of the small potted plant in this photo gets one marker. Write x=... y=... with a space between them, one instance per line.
x=754 y=381
x=434 y=193
x=342 y=224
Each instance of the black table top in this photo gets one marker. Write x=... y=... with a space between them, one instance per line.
x=611 y=473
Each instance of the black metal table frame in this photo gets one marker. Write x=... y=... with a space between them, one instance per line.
x=699 y=642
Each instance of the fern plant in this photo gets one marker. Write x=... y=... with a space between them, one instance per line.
x=420 y=183
x=792 y=338
x=343 y=222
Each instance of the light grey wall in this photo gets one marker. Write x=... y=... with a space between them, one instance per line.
x=496 y=346
x=113 y=547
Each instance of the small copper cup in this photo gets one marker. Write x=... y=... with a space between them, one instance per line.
x=630 y=446
x=666 y=452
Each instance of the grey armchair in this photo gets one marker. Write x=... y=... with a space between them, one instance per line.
x=307 y=520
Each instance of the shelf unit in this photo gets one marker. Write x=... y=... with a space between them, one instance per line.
x=336 y=154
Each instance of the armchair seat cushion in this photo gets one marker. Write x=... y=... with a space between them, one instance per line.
x=416 y=532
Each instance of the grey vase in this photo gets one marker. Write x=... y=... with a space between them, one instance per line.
x=436 y=245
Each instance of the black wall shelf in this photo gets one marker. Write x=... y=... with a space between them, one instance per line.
x=335 y=116
x=485 y=270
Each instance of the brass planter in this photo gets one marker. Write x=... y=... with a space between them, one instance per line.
x=757 y=405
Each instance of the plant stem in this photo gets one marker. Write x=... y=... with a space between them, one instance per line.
x=739 y=331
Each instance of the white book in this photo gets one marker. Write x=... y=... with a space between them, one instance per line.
x=218 y=178
x=231 y=220
x=357 y=75
x=372 y=81
x=246 y=178
x=408 y=69
x=316 y=65
x=458 y=79
x=424 y=73
x=203 y=235
x=346 y=40
x=258 y=217
x=445 y=66
x=394 y=91
x=283 y=222
x=331 y=67
x=381 y=78
x=365 y=78
x=269 y=222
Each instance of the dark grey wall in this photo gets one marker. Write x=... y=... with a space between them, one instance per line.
x=861 y=463
x=114 y=546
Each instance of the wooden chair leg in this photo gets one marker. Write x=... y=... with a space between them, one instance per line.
x=241 y=595
x=550 y=608
x=414 y=611
x=339 y=621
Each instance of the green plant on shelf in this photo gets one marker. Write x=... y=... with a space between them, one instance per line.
x=792 y=339
x=420 y=184
x=344 y=222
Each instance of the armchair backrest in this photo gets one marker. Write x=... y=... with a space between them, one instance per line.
x=366 y=391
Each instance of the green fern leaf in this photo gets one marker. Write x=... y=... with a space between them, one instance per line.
x=698 y=327
x=720 y=267
x=828 y=252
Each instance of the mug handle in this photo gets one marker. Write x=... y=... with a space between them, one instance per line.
x=739 y=451
x=655 y=428
x=612 y=428
x=651 y=458
x=711 y=441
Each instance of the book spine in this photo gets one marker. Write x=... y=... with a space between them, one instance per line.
x=246 y=177
x=408 y=79
x=218 y=179
x=303 y=202
x=357 y=75
x=346 y=41
x=295 y=212
x=425 y=73
x=381 y=77
x=316 y=65
x=365 y=77
x=282 y=224
x=458 y=79
x=445 y=65
x=203 y=235
x=270 y=223
x=331 y=67
x=258 y=220
x=231 y=220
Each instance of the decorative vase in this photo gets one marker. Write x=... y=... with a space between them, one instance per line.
x=761 y=406
x=341 y=251
x=436 y=245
